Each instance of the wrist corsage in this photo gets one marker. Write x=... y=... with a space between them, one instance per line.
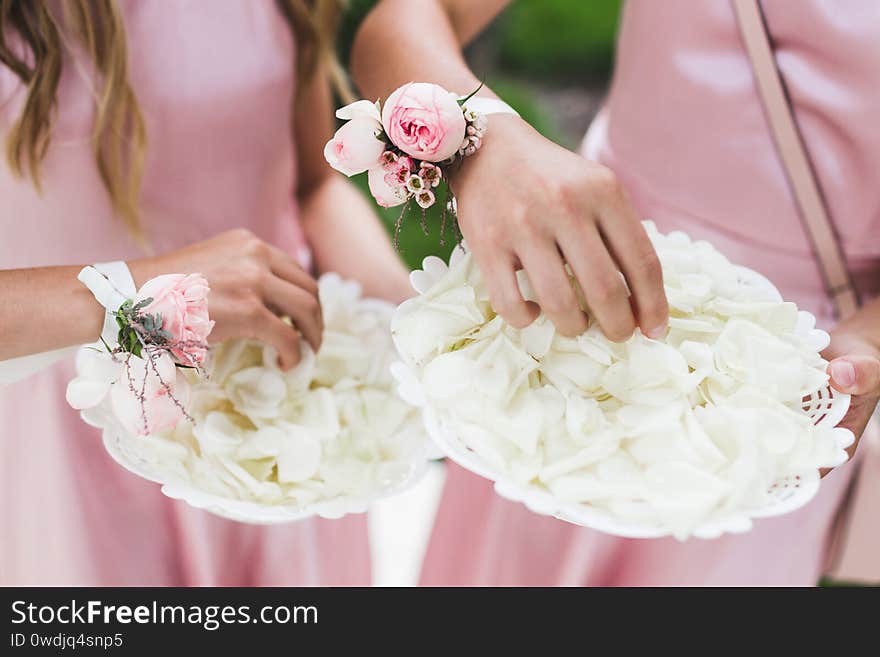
x=148 y=335
x=408 y=146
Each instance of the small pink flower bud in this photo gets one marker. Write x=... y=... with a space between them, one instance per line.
x=425 y=199
x=431 y=174
x=388 y=160
x=415 y=184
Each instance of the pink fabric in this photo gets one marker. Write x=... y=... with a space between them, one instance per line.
x=215 y=82
x=683 y=128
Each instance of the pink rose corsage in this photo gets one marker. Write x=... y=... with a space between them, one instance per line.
x=148 y=337
x=406 y=146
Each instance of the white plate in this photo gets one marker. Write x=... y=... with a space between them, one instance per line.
x=826 y=407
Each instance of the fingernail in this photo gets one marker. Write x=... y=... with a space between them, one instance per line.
x=657 y=332
x=843 y=373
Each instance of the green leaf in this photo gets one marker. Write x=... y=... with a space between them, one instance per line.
x=143 y=304
x=462 y=101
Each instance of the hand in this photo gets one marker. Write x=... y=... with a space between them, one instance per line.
x=524 y=202
x=253 y=284
x=854 y=369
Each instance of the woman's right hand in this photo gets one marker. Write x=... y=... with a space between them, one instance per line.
x=253 y=284
x=526 y=203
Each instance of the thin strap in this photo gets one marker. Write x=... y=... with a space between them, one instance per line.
x=796 y=162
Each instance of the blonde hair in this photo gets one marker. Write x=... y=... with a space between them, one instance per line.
x=119 y=136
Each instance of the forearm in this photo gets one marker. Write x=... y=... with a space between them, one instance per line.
x=432 y=54
x=43 y=309
x=346 y=237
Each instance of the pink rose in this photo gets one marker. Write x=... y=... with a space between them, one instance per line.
x=355 y=146
x=182 y=301
x=386 y=195
x=425 y=121
x=158 y=407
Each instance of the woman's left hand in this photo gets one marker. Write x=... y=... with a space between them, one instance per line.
x=854 y=369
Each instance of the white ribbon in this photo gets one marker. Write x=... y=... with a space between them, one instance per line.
x=111 y=284
x=482 y=105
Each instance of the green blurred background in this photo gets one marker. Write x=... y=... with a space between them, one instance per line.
x=551 y=60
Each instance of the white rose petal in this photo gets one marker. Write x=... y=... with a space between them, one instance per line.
x=83 y=393
x=299 y=456
x=218 y=433
x=257 y=392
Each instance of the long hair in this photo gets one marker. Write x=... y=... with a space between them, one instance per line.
x=119 y=137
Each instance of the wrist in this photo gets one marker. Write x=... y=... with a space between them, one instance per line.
x=144 y=269
x=91 y=321
x=502 y=129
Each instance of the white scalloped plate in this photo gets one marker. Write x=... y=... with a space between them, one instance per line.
x=116 y=444
x=826 y=407
x=122 y=448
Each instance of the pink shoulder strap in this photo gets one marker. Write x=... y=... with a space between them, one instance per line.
x=796 y=162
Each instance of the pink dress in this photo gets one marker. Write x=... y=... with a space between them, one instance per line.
x=683 y=128
x=215 y=82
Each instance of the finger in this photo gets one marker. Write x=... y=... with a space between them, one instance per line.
x=504 y=293
x=270 y=329
x=553 y=287
x=600 y=281
x=286 y=267
x=301 y=306
x=855 y=375
x=632 y=250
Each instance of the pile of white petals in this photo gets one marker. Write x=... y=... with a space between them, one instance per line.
x=666 y=434
x=332 y=428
